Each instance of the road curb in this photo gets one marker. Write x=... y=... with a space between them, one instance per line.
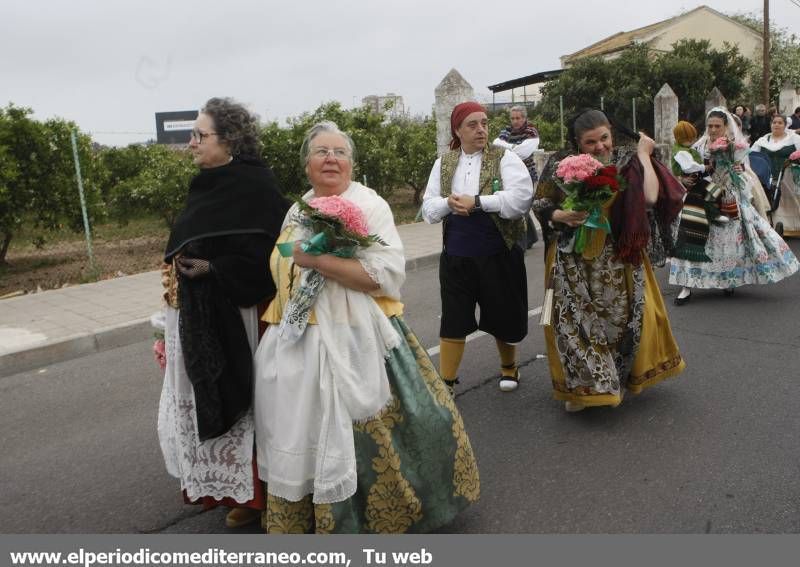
x=75 y=346
x=124 y=334
x=423 y=262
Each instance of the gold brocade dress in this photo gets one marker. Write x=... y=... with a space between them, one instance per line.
x=415 y=465
x=610 y=330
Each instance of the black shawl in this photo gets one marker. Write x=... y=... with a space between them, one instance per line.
x=232 y=218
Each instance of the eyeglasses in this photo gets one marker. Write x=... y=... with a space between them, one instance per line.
x=199 y=136
x=323 y=153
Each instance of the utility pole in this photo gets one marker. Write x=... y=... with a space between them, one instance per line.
x=765 y=80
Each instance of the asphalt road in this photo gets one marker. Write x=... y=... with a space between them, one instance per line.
x=714 y=450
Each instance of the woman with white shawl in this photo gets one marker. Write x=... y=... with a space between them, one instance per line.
x=745 y=250
x=778 y=145
x=355 y=431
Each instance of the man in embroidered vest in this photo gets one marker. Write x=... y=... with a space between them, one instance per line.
x=522 y=138
x=481 y=194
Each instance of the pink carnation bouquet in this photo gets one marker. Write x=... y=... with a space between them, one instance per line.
x=160 y=353
x=577 y=168
x=588 y=185
x=337 y=226
x=726 y=153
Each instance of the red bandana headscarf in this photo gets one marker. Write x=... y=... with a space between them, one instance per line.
x=460 y=112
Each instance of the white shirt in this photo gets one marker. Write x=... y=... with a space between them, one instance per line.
x=513 y=202
x=768 y=143
x=524 y=149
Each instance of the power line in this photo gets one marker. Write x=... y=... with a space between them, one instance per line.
x=149 y=133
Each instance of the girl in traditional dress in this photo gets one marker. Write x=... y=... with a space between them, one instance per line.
x=743 y=251
x=610 y=331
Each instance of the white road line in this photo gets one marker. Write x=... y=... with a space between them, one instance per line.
x=478 y=334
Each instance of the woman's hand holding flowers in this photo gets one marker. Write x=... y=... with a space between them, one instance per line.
x=570 y=218
x=304 y=259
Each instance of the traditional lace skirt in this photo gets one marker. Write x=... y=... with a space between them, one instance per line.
x=218 y=468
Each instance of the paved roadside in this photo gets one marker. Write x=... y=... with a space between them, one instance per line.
x=44 y=328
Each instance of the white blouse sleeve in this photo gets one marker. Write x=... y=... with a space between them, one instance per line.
x=526 y=147
x=434 y=206
x=514 y=200
x=386 y=265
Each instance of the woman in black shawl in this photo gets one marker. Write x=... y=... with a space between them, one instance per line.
x=215 y=275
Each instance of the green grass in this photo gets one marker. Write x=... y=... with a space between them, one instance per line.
x=402 y=204
x=26 y=239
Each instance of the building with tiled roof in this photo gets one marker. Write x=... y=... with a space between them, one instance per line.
x=701 y=23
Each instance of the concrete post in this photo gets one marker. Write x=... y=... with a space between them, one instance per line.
x=715 y=98
x=789 y=99
x=665 y=115
x=453 y=90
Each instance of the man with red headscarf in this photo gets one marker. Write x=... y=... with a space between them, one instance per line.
x=481 y=195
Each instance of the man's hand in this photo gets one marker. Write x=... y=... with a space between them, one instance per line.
x=461 y=204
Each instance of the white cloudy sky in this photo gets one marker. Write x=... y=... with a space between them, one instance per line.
x=110 y=65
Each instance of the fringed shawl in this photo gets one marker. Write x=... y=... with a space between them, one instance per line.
x=630 y=224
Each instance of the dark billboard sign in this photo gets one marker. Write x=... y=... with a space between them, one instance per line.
x=175 y=127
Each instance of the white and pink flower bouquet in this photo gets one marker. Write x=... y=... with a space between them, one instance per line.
x=588 y=185
x=336 y=226
x=726 y=152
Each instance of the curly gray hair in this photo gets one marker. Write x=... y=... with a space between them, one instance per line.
x=236 y=126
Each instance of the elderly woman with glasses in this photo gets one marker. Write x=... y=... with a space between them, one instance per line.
x=215 y=276
x=355 y=430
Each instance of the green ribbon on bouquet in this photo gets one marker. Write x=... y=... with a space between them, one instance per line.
x=596 y=220
x=316 y=246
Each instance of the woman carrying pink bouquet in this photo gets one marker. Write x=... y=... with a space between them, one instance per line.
x=609 y=331
x=355 y=430
x=745 y=250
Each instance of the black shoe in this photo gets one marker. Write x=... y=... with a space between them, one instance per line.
x=451 y=386
x=682 y=300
